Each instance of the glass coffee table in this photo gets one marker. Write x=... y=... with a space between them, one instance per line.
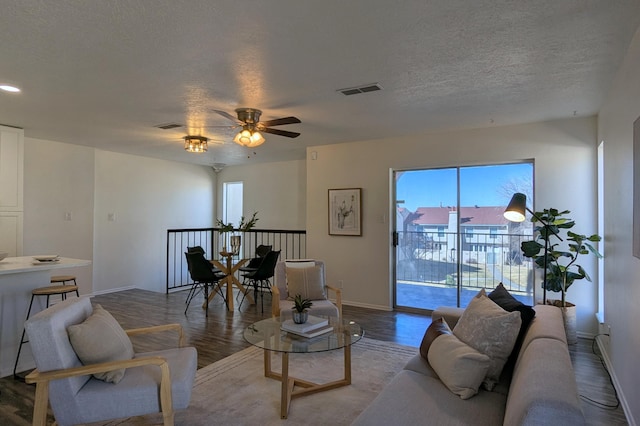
x=267 y=335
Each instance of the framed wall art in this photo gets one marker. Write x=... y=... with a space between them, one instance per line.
x=345 y=211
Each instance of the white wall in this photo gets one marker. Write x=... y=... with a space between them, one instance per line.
x=622 y=270
x=277 y=191
x=146 y=196
x=58 y=179
x=565 y=178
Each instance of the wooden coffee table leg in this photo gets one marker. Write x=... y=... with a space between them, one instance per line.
x=287 y=392
x=347 y=364
x=287 y=387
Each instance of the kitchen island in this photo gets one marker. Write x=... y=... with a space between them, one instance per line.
x=18 y=277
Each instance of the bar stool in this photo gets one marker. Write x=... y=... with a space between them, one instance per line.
x=48 y=291
x=63 y=279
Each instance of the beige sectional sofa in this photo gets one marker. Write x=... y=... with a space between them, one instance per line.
x=540 y=391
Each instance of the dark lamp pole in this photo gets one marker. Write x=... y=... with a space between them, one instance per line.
x=515 y=212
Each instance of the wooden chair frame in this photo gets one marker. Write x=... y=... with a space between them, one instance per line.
x=42 y=379
x=275 y=304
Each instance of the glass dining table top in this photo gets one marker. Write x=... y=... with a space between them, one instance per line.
x=267 y=334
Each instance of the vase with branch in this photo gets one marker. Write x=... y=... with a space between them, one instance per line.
x=228 y=228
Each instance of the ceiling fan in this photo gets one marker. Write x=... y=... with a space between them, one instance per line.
x=249 y=120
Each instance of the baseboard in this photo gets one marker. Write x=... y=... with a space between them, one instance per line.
x=366 y=305
x=607 y=361
x=584 y=335
x=112 y=290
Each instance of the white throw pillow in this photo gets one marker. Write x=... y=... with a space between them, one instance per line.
x=299 y=263
x=489 y=329
x=460 y=367
x=101 y=339
x=307 y=282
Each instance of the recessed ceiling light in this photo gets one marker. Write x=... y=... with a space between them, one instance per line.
x=8 y=88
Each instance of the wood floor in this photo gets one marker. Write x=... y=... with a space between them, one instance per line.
x=220 y=335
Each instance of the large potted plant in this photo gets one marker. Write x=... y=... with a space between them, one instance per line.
x=562 y=270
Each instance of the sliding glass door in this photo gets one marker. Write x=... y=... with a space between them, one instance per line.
x=451 y=238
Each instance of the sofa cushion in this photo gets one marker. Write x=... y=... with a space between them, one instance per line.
x=506 y=301
x=543 y=389
x=415 y=399
x=489 y=329
x=307 y=282
x=437 y=328
x=101 y=339
x=460 y=367
x=420 y=365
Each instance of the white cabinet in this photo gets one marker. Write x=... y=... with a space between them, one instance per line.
x=11 y=189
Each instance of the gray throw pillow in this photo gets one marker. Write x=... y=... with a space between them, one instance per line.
x=460 y=367
x=101 y=339
x=491 y=330
x=307 y=282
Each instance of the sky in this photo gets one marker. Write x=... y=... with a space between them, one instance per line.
x=479 y=185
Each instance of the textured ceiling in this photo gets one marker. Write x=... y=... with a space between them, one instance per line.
x=103 y=73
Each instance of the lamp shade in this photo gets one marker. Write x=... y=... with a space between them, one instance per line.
x=515 y=211
x=197 y=144
x=249 y=138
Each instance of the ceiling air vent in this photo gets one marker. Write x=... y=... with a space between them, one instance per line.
x=168 y=126
x=360 y=89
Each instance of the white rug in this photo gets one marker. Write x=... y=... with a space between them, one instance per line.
x=234 y=391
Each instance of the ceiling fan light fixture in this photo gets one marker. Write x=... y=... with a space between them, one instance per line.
x=196 y=144
x=249 y=138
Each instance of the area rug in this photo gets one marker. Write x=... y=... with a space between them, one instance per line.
x=234 y=391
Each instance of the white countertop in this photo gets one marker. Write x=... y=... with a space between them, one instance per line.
x=17 y=265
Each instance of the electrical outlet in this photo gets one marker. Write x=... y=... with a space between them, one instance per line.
x=341 y=284
x=67 y=216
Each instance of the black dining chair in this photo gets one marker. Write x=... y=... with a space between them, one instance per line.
x=203 y=276
x=199 y=249
x=253 y=264
x=260 y=278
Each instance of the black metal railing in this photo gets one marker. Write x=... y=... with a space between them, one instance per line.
x=291 y=243
x=481 y=260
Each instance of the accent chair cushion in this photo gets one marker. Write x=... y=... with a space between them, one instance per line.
x=460 y=367
x=491 y=330
x=437 y=328
x=101 y=339
x=308 y=282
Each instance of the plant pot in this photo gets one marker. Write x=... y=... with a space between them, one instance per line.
x=569 y=317
x=300 y=317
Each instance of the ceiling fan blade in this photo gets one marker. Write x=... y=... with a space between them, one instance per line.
x=280 y=121
x=280 y=132
x=229 y=116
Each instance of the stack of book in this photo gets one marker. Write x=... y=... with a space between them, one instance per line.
x=315 y=326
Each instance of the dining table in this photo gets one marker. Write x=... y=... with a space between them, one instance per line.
x=229 y=269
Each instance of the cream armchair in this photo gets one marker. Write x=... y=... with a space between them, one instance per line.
x=282 y=305
x=159 y=381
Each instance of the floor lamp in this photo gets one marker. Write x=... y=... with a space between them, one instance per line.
x=515 y=212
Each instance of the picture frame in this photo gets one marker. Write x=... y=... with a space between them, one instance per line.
x=345 y=212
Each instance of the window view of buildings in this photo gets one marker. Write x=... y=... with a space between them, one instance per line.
x=446 y=253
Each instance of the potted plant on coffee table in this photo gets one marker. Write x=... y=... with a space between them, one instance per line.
x=562 y=270
x=300 y=309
